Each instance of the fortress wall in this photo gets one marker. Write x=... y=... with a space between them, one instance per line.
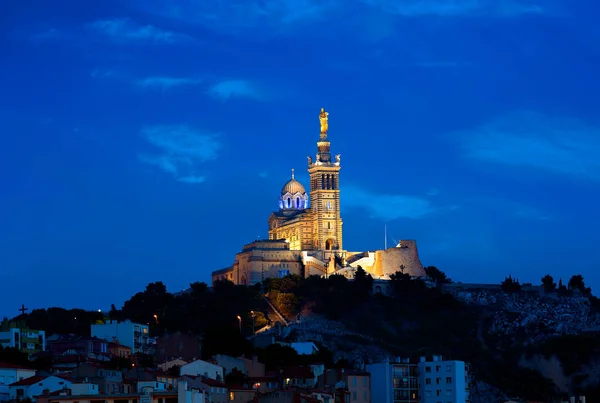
x=405 y=254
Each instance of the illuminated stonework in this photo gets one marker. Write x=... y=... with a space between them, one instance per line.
x=305 y=234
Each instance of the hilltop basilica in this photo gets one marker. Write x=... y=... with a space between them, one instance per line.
x=305 y=234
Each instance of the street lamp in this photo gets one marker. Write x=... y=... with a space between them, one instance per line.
x=155 y=316
x=240 y=321
x=253 y=315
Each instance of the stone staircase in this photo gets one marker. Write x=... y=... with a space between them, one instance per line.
x=274 y=314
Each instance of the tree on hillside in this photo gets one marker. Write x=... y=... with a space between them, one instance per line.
x=403 y=284
x=510 y=285
x=437 y=275
x=576 y=283
x=562 y=289
x=548 y=283
x=363 y=283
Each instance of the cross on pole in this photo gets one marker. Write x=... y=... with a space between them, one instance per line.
x=23 y=309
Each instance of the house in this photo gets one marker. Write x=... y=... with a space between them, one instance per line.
x=10 y=373
x=254 y=368
x=167 y=365
x=118 y=350
x=36 y=385
x=133 y=335
x=154 y=386
x=264 y=384
x=356 y=384
x=26 y=340
x=240 y=394
x=169 y=380
x=304 y=347
x=215 y=391
x=301 y=377
x=230 y=363
x=107 y=380
x=203 y=368
x=61 y=344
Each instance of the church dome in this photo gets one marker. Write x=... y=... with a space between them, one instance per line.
x=293 y=186
x=293 y=196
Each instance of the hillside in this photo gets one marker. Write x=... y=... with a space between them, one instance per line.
x=528 y=345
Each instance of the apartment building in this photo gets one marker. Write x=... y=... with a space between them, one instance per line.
x=132 y=335
x=443 y=381
x=400 y=380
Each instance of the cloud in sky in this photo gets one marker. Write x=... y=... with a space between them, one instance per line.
x=181 y=150
x=455 y=8
x=535 y=141
x=224 y=15
x=166 y=83
x=245 y=14
x=124 y=29
x=387 y=206
x=227 y=89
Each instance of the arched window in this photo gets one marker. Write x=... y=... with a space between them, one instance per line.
x=328 y=225
x=289 y=202
x=297 y=202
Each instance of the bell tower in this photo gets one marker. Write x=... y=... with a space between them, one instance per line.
x=325 y=192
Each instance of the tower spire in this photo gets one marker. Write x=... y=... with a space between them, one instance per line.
x=292 y=173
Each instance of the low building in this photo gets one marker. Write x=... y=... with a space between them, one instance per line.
x=108 y=380
x=9 y=374
x=30 y=388
x=203 y=368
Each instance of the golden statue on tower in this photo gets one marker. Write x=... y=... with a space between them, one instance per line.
x=323 y=117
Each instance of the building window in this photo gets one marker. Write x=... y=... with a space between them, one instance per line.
x=428 y=369
x=448 y=392
x=427 y=381
x=283 y=273
x=438 y=392
x=231 y=396
x=448 y=379
x=438 y=381
x=448 y=367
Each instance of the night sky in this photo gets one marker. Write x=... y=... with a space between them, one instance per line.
x=148 y=140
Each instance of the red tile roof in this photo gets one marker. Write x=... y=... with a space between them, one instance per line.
x=6 y=365
x=29 y=381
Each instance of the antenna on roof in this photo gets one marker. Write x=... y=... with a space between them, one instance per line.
x=385 y=237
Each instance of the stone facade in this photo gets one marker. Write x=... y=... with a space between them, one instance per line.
x=305 y=234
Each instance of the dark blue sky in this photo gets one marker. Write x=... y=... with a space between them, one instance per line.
x=148 y=140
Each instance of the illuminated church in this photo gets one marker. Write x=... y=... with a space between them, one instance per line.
x=305 y=234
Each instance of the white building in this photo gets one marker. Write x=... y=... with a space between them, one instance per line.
x=9 y=374
x=401 y=381
x=132 y=335
x=189 y=396
x=443 y=381
x=203 y=368
x=26 y=340
x=36 y=385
